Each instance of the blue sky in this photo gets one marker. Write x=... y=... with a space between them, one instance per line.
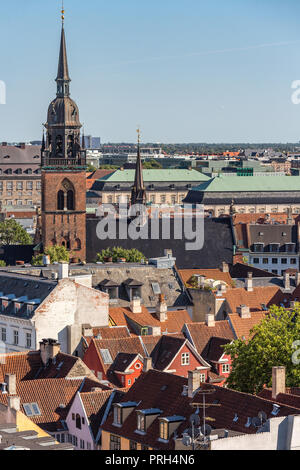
x=184 y=70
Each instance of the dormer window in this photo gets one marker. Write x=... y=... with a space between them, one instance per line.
x=259 y=247
x=141 y=422
x=117 y=415
x=168 y=426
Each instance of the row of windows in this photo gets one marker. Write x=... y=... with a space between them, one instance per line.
x=275 y=260
x=162 y=199
x=20 y=185
x=83 y=445
x=18 y=202
x=19 y=171
x=16 y=337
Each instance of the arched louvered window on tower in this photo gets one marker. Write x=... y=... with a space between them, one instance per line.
x=60 y=200
x=70 y=200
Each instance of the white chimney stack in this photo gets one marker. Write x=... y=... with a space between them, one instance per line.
x=63 y=270
x=249 y=283
x=278 y=381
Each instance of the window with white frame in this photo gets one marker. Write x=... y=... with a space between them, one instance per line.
x=16 y=337
x=202 y=378
x=185 y=359
x=28 y=340
x=225 y=368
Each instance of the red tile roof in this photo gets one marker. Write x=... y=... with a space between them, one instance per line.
x=201 y=334
x=243 y=326
x=268 y=296
x=163 y=391
x=174 y=323
x=215 y=274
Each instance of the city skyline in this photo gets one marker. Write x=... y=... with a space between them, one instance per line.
x=133 y=64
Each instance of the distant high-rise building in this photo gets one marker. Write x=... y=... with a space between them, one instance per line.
x=92 y=142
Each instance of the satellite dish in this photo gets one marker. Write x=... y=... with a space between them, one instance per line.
x=187 y=440
x=206 y=430
x=194 y=419
x=262 y=416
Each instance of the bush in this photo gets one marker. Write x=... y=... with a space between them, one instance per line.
x=131 y=256
x=56 y=253
x=2 y=263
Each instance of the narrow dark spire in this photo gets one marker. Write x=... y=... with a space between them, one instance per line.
x=63 y=77
x=43 y=142
x=83 y=140
x=138 y=195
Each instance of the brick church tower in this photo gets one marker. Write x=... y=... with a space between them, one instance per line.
x=64 y=168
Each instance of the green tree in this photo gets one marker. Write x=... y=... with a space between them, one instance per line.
x=272 y=343
x=2 y=263
x=131 y=256
x=152 y=165
x=56 y=253
x=12 y=233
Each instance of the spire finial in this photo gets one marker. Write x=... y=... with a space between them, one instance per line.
x=139 y=134
x=62 y=12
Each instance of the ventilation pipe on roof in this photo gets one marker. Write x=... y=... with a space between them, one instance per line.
x=278 y=381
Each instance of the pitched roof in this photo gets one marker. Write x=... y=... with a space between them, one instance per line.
x=241 y=270
x=268 y=296
x=215 y=274
x=111 y=332
x=201 y=334
x=254 y=183
x=243 y=326
x=163 y=391
x=167 y=349
x=173 y=324
x=150 y=342
x=171 y=175
x=214 y=350
x=53 y=397
x=95 y=404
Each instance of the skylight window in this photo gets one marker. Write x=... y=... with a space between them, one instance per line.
x=32 y=409
x=156 y=288
x=107 y=359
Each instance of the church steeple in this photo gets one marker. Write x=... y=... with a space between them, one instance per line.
x=138 y=194
x=63 y=77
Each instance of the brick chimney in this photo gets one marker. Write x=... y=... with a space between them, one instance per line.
x=136 y=306
x=286 y=281
x=11 y=384
x=147 y=364
x=243 y=311
x=210 y=320
x=278 y=381
x=249 y=282
x=14 y=403
x=193 y=382
x=49 y=348
x=225 y=267
x=162 y=309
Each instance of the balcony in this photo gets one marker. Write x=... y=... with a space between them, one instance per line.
x=66 y=163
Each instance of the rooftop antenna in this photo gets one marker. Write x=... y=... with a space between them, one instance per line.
x=62 y=12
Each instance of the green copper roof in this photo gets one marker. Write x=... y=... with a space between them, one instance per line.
x=127 y=176
x=250 y=183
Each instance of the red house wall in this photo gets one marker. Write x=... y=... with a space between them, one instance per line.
x=91 y=359
x=134 y=376
x=183 y=370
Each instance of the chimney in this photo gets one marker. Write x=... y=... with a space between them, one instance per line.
x=286 y=281
x=162 y=309
x=49 y=348
x=63 y=270
x=11 y=384
x=193 y=382
x=168 y=253
x=87 y=330
x=135 y=305
x=147 y=364
x=210 y=320
x=249 y=283
x=225 y=267
x=297 y=279
x=290 y=220
x=243 y=311
x=14 y=403
x=278 y=381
